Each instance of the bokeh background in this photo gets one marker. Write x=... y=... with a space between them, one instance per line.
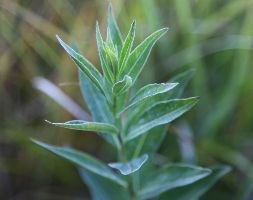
x=214 y=37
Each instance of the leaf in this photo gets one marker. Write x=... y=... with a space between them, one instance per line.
x=139 y=55
x=131 y=166
x=114 y=29
x=83 y=160
x=112 y=59
x=84 y=65
x=102 y=55
x=127 y=46
x=148 y=91
x=122 y=86
x=97 y=104
x=102 y=188
x=197 y=189
x=171 y=177
x=162 y=113
x=88 y=126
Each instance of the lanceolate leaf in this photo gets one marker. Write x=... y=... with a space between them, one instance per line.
x=131 y=166
x=127 y=46
x=112 y=60
x=88 y=126
x=122 y=86
x=140 y=54
x=162 y=113
x=148 y=91
x=102 y=55
x=114 y=30
x=84 y=65
x=197 y=189
x=171 y=177
x=83 y=160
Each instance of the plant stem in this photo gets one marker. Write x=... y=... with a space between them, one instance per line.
x=133 y=188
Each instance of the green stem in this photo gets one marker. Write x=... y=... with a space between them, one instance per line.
x=132 y=179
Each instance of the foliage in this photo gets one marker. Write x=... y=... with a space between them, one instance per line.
x=123 y=119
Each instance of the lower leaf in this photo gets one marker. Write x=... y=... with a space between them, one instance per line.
x=197 y=189
x=171 y=177
x=83 y=160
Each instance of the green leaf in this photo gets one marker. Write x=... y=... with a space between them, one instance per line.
x=197 y=189
x=122 y=86
x=148 y=91
x=127 y=46
x=97 y=104
x=114 y=30
x=171 y=177
x=131 y=166
x=83 y=160
x=162 y=113
x=112 y=59
x=84 y=65
x=88 y=126
x=139 y=55
x=102 y=188
x=102 y=55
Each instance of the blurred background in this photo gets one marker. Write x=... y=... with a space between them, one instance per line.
x=37 y=80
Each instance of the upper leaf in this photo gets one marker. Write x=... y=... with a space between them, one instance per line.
x=139 y=55
x=171 y=177
x=127 y=46
x=122 y=86
x=162 y=113
x=83 y=160
x=148 y=91
x=84 y=65
x=102 y=55
x=114 y=30
x=88 y=126
x=131 y=166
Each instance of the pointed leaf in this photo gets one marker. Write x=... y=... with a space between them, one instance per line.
x=148 y=91
x=139 y=55
x=131 y=166
x=112 y=60
x=122 y=86
x=102 y=188
x=127 y=46
x=88 y=126
x=114 y=30
x=83 y=160
x=161 y=113
x=197 y=189
x=171 y=177
x=102 y=55
x=84 y=65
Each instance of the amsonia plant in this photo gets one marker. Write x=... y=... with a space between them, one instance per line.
x=134 y=124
